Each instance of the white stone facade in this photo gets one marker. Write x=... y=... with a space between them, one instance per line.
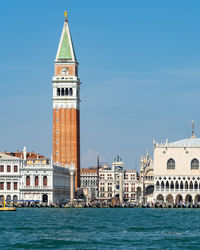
x=10 y=177
x=176 y=171
x=37 y=180
x=111 y=185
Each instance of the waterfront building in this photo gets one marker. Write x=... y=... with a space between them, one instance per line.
x=176 y=171
x=112 y=182
x=10 y=177
x=27 y=176
x=145 y=180
x=89 y=178
x=116 y=182
x=66 y=105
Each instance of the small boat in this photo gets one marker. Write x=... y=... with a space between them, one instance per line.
x=4 y=208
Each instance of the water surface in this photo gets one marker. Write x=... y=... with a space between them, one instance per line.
x=100 y=228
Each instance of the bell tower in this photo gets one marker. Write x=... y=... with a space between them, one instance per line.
x=66 y=105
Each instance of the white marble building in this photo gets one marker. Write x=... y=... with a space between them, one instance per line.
x=116 y=182
x=176 y=171
x=10 y=177
x=37 y=178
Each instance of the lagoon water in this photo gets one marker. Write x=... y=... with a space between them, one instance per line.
x=100 y=228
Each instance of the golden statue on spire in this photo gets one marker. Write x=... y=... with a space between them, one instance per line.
x=65 y=14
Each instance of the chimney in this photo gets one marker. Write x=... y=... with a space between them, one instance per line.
x=24 y=153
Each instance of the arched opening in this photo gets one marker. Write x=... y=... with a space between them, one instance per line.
x=167 y=186
x=194 y=164
x=1 y=198
x=36 y=181
x=28 y=181
x=171 y=164
x=15 y=198
x=62 y=92
x=177 y=185
x=58 y=91
x=195 y=185
x=172 y=185
x=186 y=185
x=149 y=190
x=157 y=186
x=191 y=185
x=188 y=198
x=197 y=198
x=8 y=199
x=66 y=91
x=179 y=198
x=45 y=181
x=160 y=198
x=139 y=193
x=45 y=198
x=170 y=199
x=70 y=91
x=181 y=186
x=162 y=186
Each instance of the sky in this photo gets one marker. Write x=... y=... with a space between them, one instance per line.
x=139 y=68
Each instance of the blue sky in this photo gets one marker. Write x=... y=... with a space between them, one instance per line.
x=139 y=68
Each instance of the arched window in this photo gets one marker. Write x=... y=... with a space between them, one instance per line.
x=186 y=185
x=172 y=185
x=44 y=181
x=171 y=164
x=70 y=91
x=28 y=181
x=167 y=185
x=181 y=185
x=157 y=186
x=177 y=185
x=58 y=91
x=191 y=185
x=66 y=91
x=62 y=92
x=194 y=164
x=36 y=181
x=162 y=185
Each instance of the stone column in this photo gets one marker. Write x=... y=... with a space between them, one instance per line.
x=72 y=171
x=120 y=188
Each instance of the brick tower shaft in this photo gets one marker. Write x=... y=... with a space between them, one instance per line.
x=66 y=105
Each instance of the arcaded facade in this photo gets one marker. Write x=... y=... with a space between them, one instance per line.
x=176 y=171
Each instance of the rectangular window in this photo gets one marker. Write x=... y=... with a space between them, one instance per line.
x=2 y=168
x=15 y=168
x=8 y=185
x=8 y=168
x=1 y=185
x=15 y=185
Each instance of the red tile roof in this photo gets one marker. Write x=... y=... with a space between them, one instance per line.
x=29 y=155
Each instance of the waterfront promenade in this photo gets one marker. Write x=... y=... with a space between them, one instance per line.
x=52 y=228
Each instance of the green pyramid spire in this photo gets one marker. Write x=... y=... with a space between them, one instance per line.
x=65 y=48
x=65 y=51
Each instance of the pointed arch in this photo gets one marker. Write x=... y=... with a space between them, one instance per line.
x=195 y=185
x=194 y=164
x=177 y=185
x=186 y=185
x=191 y=185
x=157 y=186
x=162 y=185
x=167 y=185
x=172 y=185
x=171 y=164
x=181 y=185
